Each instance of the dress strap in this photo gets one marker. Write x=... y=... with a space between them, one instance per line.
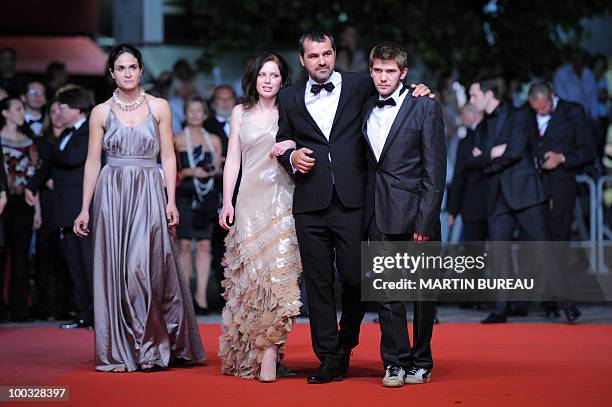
x=146 y=100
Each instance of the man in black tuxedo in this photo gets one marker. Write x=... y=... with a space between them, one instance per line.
x=515 y=194
x=323 y=116
x=218 y=122
x=563 y=142
x=65 y=167
x=222 y=102
x=467 y=191
x=405 y=184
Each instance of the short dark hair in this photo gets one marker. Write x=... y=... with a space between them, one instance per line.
x=10 y=50
x=488 y=84
x=77 y=97
x=249 y=79
x=26 y=85
x=390 y=51
x=316 y=36
x=540 y=89
x=222 y=87
x=121 y=49
x=53 y=68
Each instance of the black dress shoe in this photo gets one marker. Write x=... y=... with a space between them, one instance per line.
x=79 y=323
x=551 y=309
x=494 y=318
x=345 y=359
x=325 y=374
x=572 y=313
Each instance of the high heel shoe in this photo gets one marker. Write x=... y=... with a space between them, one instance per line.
x=267 y=379
x=199 y=310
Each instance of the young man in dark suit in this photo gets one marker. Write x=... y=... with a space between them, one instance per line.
x=405 y=184
x=323 y=117
x=65 y=167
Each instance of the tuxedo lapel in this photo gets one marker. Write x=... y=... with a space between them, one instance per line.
x=555 y=119
x=364 y=123
x=500 y=123
x=403 y=113
x=301 y=104
x=345 y=91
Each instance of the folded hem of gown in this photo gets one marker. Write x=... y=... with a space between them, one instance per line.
x=261 y=291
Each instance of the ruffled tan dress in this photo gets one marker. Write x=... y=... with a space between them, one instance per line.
x=262 y=261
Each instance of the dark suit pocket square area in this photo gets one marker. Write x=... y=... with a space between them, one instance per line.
x=415 y=188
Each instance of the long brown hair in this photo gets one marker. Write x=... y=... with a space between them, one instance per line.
x=249 y=79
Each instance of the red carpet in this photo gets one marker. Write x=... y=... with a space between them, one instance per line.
x=503 y=365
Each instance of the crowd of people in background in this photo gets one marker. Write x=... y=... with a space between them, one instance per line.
x=38 y=114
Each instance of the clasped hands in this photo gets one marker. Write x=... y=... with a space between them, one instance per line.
x=496 y=151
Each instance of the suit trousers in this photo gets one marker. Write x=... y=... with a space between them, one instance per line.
x=533 y=227
x=79 y=256
x=395 y=346
x=327 y=237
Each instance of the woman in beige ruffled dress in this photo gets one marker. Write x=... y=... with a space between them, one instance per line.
x=262 y=263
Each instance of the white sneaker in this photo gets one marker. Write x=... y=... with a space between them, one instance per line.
x=394 y=376
x=416 y=375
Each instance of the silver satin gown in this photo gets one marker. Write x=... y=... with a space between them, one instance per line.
x=142 y=312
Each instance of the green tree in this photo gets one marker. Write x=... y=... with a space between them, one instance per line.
x=516 y=37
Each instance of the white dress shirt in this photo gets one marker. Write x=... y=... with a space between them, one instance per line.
x=381 y=119
x=544 y=119
x=66 y=139
x=35 y=125
x=226 y=123
x=322 y=106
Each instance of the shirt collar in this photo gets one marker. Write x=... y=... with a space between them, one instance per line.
x=78 y=124
x=395 y=95
x=495 y=112
x=555 y=102
x=334 y=78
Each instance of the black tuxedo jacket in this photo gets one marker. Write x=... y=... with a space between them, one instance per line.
x=514 y=173
x=212 y=125
x=467 y=191
x=66 y=168
x=405 y=186
x=569 y=133
x=346 y=171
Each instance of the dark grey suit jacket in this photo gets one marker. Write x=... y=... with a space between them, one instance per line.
x=405 y=186
x=514 y=173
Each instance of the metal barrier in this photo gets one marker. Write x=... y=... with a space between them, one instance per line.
x=603 y=232
x=598 y=231
x=585 y=179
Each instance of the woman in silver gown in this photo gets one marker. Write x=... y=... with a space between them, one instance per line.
x=143 y=315
x=262 y=263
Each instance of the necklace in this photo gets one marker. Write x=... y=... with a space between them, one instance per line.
x=129 y=106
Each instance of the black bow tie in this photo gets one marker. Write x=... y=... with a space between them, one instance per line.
x=316 y=88
x=39 y=120
x=385 y=102
x=67 y=131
